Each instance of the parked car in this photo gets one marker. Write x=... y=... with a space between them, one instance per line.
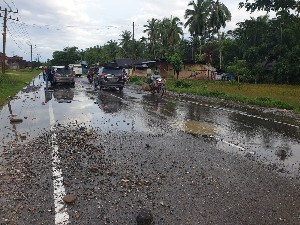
x=77 y=69
x=62 y=75
x=110 y=78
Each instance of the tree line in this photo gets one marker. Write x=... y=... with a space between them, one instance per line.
x=262 y=49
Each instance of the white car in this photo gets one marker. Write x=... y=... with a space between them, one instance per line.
x=77 y=69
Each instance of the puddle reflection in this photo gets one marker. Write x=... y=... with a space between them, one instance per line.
x=110 y=102
x=60 y=93
x=195 y=127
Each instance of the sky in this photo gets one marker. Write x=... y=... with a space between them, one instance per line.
x=47 y=26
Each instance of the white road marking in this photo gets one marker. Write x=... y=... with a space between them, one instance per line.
x=61 y=215
x=230 y=144
x=240 y=112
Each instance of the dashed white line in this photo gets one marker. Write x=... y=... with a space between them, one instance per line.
x=61 y=215
x=231 y=144
x=242 y=113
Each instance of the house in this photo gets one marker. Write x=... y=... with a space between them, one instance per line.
x=17 y=62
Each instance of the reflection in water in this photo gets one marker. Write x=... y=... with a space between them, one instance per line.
x=11 y=115
x=159 y=105
x=48 y=96
x=110 y=102
x=60 y=93
x=63 y=94
x=195 y=127
x=273 y=140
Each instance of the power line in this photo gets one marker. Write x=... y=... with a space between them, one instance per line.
x=20 y=22
x=5 y=19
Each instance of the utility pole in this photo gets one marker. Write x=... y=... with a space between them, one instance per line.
x=133 y=31
x=31 y=53
x=4 y=41
x=5 y=18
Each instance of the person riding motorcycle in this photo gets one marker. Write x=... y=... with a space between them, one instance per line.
x=152 y=80
x=90 y=75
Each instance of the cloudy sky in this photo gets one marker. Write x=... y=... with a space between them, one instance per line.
x=51 y=25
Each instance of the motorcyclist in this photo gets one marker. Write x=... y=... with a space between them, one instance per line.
x=152 y=80
x=90 y=75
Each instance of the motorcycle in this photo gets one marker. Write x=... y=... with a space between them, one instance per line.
x=158 y=86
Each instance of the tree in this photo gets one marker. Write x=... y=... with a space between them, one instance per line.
x=271 y=5
x=176 y=62
x=240 y=70
x=152 y=31
x=68 y=56
x=218 y=18
x=197 y=18
x=126 y=38
x=175 y=31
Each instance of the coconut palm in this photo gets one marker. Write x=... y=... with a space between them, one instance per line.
x=197 y=18
x=125 y=43
x=218 y=18
x=175 y=30
x=125 y=37
x=152 y=31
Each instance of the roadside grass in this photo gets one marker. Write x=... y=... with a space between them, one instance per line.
x=13 y=81
x=137 y=80
x=267 y=95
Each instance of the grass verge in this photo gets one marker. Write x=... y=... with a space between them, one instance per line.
x=266 y=95
x=13 y=81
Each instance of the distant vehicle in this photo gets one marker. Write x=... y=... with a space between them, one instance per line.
x=62 y=75
x=77 y=69
x=110 y=78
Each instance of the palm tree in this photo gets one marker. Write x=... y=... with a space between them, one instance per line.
x=125 y=37
x=152 y=31
x=197 y=18
x=218 y=18
x=175 y=30
x=125 y=42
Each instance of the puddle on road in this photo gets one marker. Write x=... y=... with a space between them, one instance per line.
x=195 y=127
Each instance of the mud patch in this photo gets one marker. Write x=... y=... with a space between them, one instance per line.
x=195 y=127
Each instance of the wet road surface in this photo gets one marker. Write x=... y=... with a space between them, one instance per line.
x=187 y=160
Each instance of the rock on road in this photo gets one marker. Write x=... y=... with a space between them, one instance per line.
x=121 y=159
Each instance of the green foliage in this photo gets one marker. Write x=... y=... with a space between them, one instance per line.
x=13 y=81
x=200 y=58
x=287 y=67
x=182 y=84
x=239 y=68
x=136 y=80
x=271 y=5
x=68 y=56
x=265 y=101
x=176 y=62
x=236 y=92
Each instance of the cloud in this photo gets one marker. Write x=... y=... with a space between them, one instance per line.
x=56 y=24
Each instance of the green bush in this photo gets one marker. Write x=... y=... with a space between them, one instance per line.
x=137 y=80
x=182 y=84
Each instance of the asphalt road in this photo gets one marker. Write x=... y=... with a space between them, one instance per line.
x=79 y=156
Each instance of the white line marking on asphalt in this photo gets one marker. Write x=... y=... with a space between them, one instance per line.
x=231 y=144
x=241 y=113
x=61 y=215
